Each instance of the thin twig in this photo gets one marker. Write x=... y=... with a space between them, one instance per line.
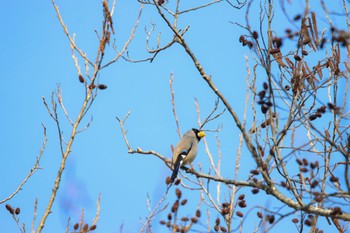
x=35 y=167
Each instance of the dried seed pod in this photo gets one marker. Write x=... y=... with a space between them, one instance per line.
x=259 y=214
x=255 y=172
x=239 y=214
x=304 y=52
x=255 y=35
x=312 y=117
x=76 y=226
x=314 y=165
x=194 y=219
x=264 y=109
x=255 y=191
x=262 y=94
x=223 y=229
x=178 y=193
x=295 y=220
x=241 y=197
x=198 y=213
x=242 y=204
x=330 y=106
x=265 y=85
x=277 y=42
x=162 y=222
x=283 y=184
x=225 y=204
x=184 y=219
x=334 y=179
x=241 y=39
x=304 y=169
x=92 y=228
x=216 y=228
x=85 y=227
x=297 y=57
x=322 y=109
x=175 y=206
x=250 y=44
x=170 y=216
x=10 y=209
x=102 y=86
x=297 y=17
x=184 y=202
x=323 y=41
x=314 y=184
x=270 y=218
x=17 y=211
x=299 y=162
x=168 y=180
x=177 y=182
x=305 y=162
x=81 y=78
x=307 y=222
x=287 y=87
x=217 y=221
x=225 y=211
x=318 y=198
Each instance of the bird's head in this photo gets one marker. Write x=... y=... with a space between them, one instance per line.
x=199 y=133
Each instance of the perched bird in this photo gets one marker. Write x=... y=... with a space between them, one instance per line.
x=186 y=150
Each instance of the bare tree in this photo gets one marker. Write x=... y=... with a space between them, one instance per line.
x=297 y=83
x=297 y=79
x=88 y=74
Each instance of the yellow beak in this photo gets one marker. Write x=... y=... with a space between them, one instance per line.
x=201 y=134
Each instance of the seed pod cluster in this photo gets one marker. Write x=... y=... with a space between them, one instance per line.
x=264 y=99
x=244 y=41
x=217 y=226
x=11 y=210
x=186 y=222
x=318 y=114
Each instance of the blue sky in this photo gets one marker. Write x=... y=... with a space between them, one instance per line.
x=36 y=57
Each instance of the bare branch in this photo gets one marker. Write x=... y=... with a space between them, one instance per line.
x=35 y=167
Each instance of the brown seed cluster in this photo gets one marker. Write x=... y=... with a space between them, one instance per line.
x=217 y=226
x=264 y=99
x=172 y=217
x=270 y=218
x=84 y=228
x=318 y=114
x=13 y=211
x=244 y=41
x=225 y=209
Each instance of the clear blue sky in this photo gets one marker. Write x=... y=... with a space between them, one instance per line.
x=35 y=57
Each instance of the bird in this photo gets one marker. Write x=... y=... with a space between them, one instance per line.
x=186 y=150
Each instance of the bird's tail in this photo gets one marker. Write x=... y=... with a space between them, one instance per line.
x=176 y=170
x=177 y=166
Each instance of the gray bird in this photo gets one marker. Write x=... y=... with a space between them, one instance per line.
x=186 y=150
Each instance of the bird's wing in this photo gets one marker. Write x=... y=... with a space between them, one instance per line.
x=183 y=148
x=180 y=155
